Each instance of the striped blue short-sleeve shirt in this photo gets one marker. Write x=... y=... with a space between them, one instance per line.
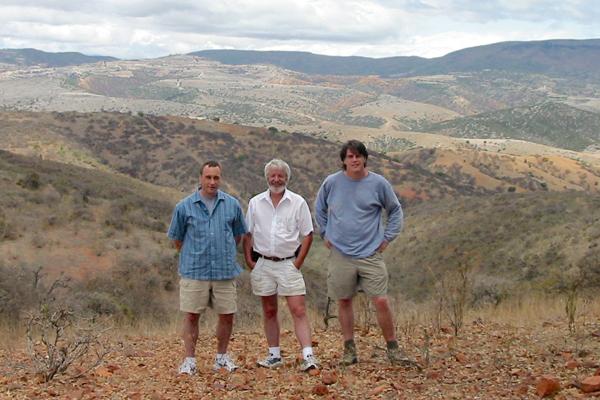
x=209 y=248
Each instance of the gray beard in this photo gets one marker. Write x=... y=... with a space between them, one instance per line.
x=276 y=189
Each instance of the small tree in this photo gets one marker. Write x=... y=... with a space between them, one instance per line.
x=457 y=290
x=55 y=342
x=56 y=337
x=571 y=283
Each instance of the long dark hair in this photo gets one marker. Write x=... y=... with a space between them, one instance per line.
x=354 y=146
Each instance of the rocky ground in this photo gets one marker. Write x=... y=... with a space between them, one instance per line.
x=488 y=360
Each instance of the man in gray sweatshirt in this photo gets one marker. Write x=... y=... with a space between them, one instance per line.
x=349 y=210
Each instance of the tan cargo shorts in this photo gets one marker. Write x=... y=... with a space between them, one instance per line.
x=195 y=296
x=277 y=277
x=345 y=275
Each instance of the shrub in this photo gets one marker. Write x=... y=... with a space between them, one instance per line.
x=56 y=340
x=20 y=290
x=31 y=181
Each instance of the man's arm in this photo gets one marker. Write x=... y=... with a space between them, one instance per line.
x=394 y=216
x=239 y=225
x=304 y=247
x=177 y=244
x=321 y=209
x=247 y=246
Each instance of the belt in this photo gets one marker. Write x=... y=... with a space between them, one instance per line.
x=276 y=258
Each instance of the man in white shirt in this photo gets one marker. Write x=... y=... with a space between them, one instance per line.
x=280 y=230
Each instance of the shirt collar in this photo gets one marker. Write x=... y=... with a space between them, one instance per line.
x=266 y=195
x=196 y=196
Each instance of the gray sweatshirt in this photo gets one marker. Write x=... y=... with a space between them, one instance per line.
x=348 y=212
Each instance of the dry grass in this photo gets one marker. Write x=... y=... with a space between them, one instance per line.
x=527 y=311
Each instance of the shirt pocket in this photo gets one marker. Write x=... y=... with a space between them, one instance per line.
x=287 y=225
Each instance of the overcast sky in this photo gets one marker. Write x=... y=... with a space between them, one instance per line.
x=373 y=28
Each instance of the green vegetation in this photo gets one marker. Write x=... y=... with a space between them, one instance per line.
x=550 y=123
x=368 y=121
x=156 y=92
x=385 y=144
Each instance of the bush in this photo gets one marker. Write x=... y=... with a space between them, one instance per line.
x=30 y=181
x=21 y=289
x=56 y=339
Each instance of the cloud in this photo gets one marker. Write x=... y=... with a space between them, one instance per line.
x=581 y=11
x=151 y=28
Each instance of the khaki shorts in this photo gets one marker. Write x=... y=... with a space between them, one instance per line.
x=345 y=275
x=277 y=277
x=195 y=296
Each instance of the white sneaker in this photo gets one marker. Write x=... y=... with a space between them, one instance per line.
x=225 y=362
x=310 y=362
x=270 y=362
x=188 y=366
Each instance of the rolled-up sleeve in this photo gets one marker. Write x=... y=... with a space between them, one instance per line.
x=305 y=220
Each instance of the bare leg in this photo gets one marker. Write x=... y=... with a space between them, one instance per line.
x=301 y=324
x=189 y=333
x=224 y=328
x=270 y=321
x=346 y=318
x=384 y=317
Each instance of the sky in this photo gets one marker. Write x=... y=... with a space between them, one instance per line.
x=372 y=28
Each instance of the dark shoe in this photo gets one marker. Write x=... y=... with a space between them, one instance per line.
x=349 y=356
x=398 y=357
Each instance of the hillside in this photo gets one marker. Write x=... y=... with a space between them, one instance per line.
x=501 y=165
x=168 y=151
x=550 y=123
x=105 y=231
x=509 y=244
x=83 y=221
x=33 y=57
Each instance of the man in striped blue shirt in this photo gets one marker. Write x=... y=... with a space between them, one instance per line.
x=206 y=228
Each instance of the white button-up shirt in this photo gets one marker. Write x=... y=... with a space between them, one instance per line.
x=278 y=231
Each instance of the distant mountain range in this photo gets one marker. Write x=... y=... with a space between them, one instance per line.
x=551 y=57
x=310 y=63
x=578 y=58
x=31 y=57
